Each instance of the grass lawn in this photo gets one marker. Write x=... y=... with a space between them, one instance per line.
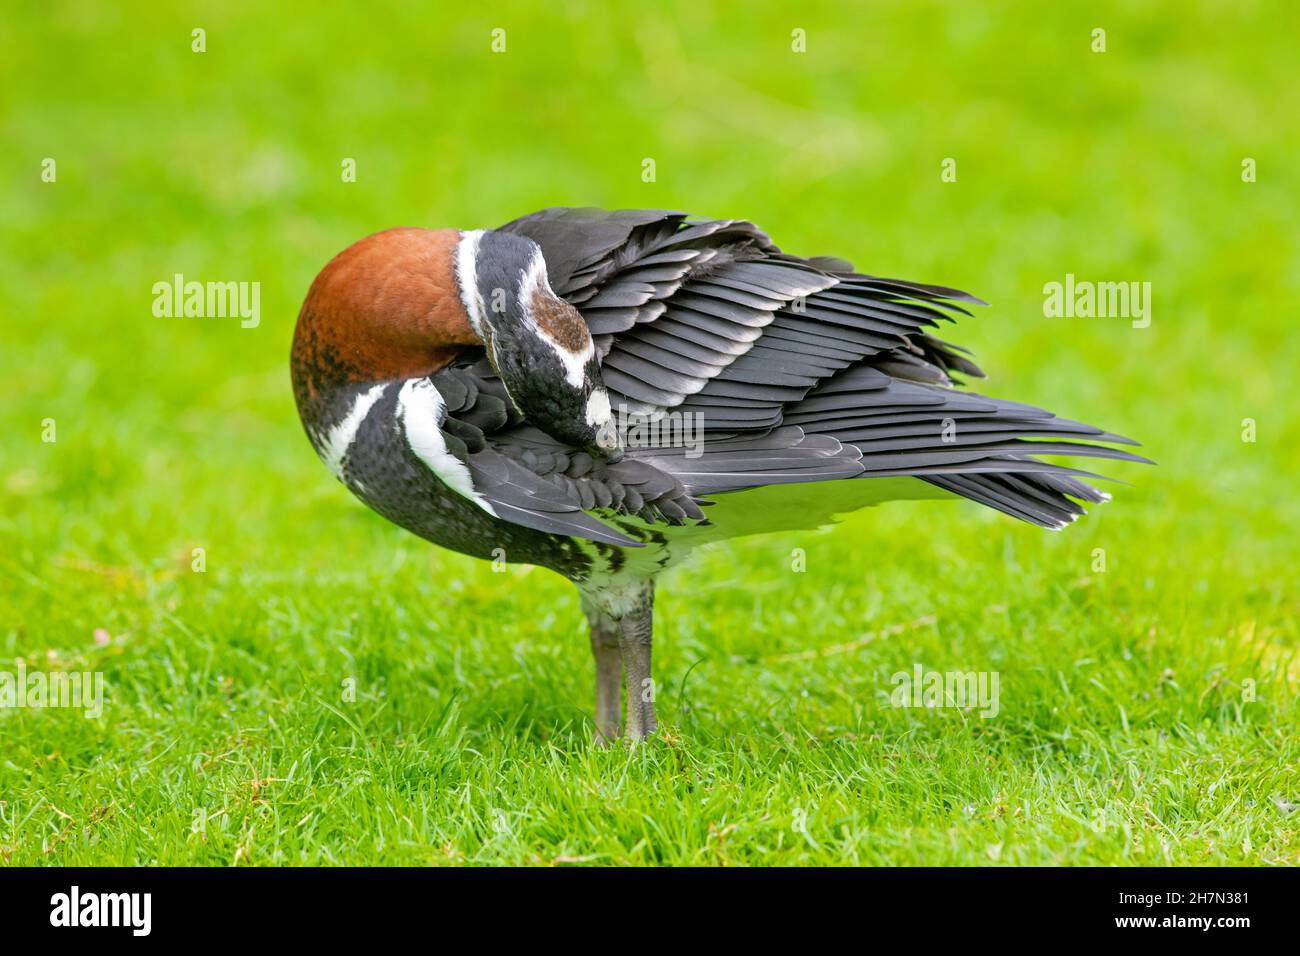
x=328 y=689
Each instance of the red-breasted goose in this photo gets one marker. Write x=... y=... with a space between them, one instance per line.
x=599 y=392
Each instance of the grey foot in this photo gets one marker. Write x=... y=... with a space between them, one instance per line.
x=635 y=635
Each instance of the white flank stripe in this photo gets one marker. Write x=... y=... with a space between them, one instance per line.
x=422 y=410
x=334 y=446
x=467 y=279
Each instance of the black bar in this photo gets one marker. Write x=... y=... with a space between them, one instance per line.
x=333 y=905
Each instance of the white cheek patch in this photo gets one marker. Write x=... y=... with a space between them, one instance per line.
x=333 y=446
x=598 y=410
x=422 y=410
x=467 y=280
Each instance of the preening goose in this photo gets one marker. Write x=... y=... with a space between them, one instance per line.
x=600 y=392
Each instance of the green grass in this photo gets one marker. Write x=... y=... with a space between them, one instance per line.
x=1149 y=711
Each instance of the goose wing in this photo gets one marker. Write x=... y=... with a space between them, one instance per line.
x=709 y=316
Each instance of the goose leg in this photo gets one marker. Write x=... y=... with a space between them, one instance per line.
x=636 y=630
x=609 y=667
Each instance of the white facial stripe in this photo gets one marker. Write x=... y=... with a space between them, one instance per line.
x=531 y=281
x=467 y=279
x=422 y=410
x=575 y=363
x=534 y=277
x=333 y=447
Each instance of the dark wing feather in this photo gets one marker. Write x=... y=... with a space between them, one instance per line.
x=532 y=480
x=579 y=244
x=519 y=495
